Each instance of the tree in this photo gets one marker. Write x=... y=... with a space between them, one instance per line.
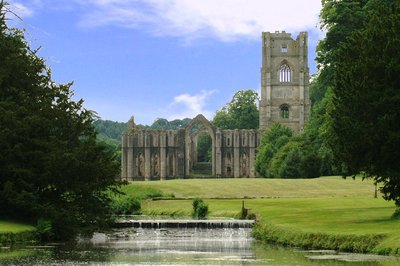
x=271 y=141
x=364 y=129
x=240 y=113
x=52 y=167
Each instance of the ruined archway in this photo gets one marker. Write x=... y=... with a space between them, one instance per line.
x=198 y=127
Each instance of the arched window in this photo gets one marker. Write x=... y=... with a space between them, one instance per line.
x=284 y=111
x=284 y=73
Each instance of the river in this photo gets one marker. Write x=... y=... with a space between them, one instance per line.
x=191 y=246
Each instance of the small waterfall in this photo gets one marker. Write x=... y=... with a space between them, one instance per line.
x=183 y=224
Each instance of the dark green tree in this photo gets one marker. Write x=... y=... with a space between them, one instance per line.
x=240 y=113
x=51 y=166
x=271 y=141
x=364 y=128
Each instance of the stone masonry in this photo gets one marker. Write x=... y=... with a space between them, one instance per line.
x=284 y=80
x=169 y=154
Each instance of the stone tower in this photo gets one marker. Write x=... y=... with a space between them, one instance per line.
x=284 y=80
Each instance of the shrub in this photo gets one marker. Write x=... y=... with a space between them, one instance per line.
x=200 y=209
x=396 y=214
x=44 y=230
x=126 y=205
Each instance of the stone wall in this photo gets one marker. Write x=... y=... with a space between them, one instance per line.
x=170 y=154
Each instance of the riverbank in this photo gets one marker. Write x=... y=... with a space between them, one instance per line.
x=14 y=232
x=323 y=213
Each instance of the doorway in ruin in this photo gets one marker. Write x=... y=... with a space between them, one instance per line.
x=199 y=135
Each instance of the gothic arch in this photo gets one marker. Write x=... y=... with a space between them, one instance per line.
x=285 y=71
x=190 y=135
x=284 y=111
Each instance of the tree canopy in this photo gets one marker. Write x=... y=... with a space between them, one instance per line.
x=364 y=128
x=51 y=165
x=240 y=113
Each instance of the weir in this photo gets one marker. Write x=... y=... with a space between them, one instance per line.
x=204 y=224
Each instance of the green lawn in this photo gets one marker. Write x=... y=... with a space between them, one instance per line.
x=259 y=187
x=328 y=205
x=14 y=227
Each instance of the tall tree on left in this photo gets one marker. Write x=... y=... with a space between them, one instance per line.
x=51 y=166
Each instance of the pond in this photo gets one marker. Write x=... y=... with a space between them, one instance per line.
x=191 y=246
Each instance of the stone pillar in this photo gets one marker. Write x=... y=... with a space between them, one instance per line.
x=252 y=153
x=218 y=159
x=147 y=157
x=236 y=154
x=130 y=159
x=303 y=54
x=163 y=157
x=180 y=163
x=123 y=157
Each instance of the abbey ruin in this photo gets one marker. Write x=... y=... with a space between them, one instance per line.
x=169 y=154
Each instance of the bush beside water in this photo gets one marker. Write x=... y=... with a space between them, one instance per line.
x=200 y=209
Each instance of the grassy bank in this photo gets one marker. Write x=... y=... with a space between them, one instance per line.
x=12 y=232
x=328 y=213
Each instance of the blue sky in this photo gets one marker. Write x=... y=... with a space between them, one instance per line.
x=159 y=58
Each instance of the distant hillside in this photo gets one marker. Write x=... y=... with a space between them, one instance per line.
x=110 y=131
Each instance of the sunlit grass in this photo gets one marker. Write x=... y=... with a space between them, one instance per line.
x=328 y=205
x=14 y=227
x=259 y=187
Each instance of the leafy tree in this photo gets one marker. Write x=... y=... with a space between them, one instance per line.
x=110 y=129
x=51 y=165
x=180 y=123
x=364 y=127
x=272 y=140
x=162 y=123
x=240 y=113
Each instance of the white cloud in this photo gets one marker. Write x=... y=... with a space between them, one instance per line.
x=227 y=20
x=187 y=105
x=21 y=10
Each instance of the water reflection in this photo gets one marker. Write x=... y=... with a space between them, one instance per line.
x=179 y=247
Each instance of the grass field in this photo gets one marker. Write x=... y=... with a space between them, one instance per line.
x=330 y=206
x=14 y=227
x=259 y=187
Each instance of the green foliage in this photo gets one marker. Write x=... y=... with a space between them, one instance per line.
x=272 y=140
x=364 y=129
x=110 y=129
x=204 y=148
x=162 y=123
x=396 y=214
x=240 y=113
x=44 y=230
x=52 y=165
x=200 y=209
x=126 y=205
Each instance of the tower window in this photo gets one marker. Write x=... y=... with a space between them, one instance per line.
x=284 y=111
x=284 y=73
x=284 y=48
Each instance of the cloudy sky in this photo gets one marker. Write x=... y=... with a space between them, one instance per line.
x=159 y=58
